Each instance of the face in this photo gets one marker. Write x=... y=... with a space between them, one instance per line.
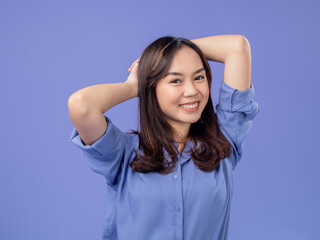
x=184 y=92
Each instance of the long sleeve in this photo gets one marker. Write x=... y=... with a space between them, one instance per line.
x=106 y=155
x=235 y=113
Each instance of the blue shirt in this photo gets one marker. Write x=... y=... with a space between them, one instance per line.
x=187 y=204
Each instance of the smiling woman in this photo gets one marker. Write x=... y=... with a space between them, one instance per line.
x=173 y=179
x=190 y=94
x=166 y=103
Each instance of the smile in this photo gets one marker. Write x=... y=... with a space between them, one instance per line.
x=190 y=107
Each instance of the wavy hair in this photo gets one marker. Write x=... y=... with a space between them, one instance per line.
x=209 y=144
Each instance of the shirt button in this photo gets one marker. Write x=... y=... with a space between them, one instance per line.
x=175 y=176
x=177 y=209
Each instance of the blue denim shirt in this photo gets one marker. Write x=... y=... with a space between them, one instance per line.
x=187 y=204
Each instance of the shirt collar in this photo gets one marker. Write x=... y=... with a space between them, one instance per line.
x=185 y=156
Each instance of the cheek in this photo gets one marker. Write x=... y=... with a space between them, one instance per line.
x=160 y=95
x=205 y=92
x=166 y=96
x=208 y=93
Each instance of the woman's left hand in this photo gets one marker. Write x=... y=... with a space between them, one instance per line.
x=136 y=61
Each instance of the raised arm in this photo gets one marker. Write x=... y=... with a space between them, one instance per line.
x=86 y=106
x=235 y=52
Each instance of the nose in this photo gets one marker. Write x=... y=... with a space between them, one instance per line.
x=190 y=89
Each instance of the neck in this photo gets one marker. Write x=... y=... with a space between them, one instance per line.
x=186 y=139
x=181 y=133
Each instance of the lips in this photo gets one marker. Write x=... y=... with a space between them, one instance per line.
x=189 y=103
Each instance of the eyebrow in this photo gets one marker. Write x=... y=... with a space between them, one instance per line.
x=180 y=74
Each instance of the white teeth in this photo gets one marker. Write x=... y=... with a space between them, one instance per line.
x=190 y=106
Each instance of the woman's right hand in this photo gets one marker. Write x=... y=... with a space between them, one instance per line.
x=132 y=79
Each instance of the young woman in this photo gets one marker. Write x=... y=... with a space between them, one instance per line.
x=173 y=179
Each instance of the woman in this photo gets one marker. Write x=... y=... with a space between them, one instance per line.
x=174 y=178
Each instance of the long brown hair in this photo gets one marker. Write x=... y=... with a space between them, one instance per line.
x=210 y=145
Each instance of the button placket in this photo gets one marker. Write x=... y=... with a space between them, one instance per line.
x=178 y=202
x=177 y=207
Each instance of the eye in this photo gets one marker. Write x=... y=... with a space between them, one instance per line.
x=201 y=77
x=175 y=81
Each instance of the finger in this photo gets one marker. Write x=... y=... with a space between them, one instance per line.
x=135 y=66
x=136 y=61
x=132 y=66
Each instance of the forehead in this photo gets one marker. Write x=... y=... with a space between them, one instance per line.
x=185 y=59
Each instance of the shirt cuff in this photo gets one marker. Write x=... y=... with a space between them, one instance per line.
x=232 y=100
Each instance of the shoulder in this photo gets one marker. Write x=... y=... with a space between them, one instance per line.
x=132 y=139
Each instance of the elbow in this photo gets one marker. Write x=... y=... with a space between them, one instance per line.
x=76 y=104
x=242 y=44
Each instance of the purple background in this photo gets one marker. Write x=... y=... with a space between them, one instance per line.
x=51 y=49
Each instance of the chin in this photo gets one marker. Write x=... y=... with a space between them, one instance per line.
x=194 y=121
